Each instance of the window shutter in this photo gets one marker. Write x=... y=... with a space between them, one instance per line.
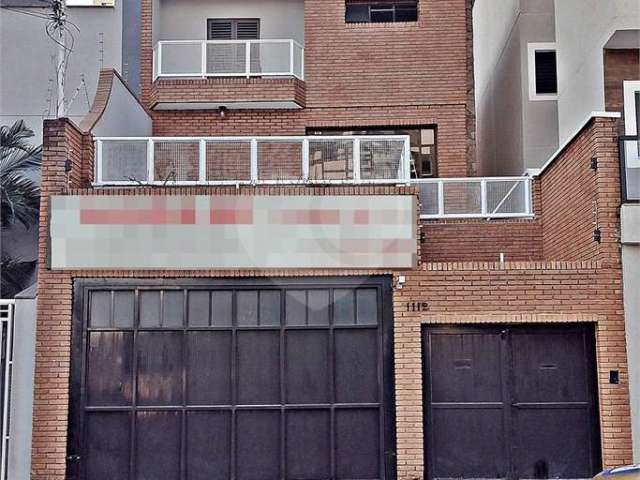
x=546 y=74
x=220 y=30
x=247 y=30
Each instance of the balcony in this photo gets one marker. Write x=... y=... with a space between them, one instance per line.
x=630 y=168
x=240 y=54
x=167 y=161
x=229 y=58
x=475 y=197
x=354 y=160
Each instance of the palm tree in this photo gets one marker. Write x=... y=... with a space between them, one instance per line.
x=19 y=197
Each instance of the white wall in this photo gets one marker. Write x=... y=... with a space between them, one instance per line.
x=513 y=133
x=26 y=59
x=24 y=354
x=583 y=28
x=187 y=19
x=123 y=116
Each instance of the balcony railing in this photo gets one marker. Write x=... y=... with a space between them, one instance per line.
x=630 y=168
x=475 y=197
x=252 y=160
x=229 y=58
x=363 y=159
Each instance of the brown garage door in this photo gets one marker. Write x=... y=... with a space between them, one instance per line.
x=510 y=402
x=235 y=380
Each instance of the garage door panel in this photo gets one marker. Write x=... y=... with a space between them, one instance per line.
x=172 y=309
x=198 y=308
x=258 y=367
x=100 y=309
x=123 y=308
x=344 y=306
x=158 y=445
x=208 y=448
x=318 y=307
x=205 y=379
x=159 y=379
x=308 y=444
x=258 y=444
x=357 y=443
x=109 y=366
x=108 y=446
x=150 y=315
x=466 y=367
x=307 y=366
x=547 y=367
x=551 y=443
x=356 y=368
x=510 y=401
x=468 y=443
x=221 y=308
x=208 y=367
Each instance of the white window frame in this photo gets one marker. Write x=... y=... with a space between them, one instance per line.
x=631 y=87
x=534 y=96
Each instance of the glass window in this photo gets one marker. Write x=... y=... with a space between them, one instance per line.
x=546 y=76
x=359 y=11
x=422 y=141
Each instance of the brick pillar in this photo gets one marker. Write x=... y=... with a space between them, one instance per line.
x=62 y=142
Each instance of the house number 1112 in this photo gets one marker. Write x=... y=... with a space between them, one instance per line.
x=417 y=306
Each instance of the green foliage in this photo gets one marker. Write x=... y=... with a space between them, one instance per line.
x=19 y=194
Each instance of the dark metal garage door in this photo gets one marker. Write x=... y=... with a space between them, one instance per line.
x=232 y=380
x=510 y=402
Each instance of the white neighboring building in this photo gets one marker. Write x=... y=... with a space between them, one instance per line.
x=597 y=47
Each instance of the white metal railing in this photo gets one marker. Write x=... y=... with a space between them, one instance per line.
x=475 y=197
x=228 y=58
x=252 y=160
x=6 y=326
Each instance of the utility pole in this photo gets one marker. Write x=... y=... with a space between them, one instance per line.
x=59 y=32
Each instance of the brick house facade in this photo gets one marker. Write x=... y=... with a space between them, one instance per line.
x=555 y=271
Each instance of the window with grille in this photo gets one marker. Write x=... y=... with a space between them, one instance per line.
x=362 y=11
x=233 y=29
x=543 y=71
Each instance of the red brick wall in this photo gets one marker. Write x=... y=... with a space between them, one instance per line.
x=355 y=75
x=224 y=89
x=481 y=240
x=533 y=292
x=452 y=160
x=619 y=65
x=571 y=191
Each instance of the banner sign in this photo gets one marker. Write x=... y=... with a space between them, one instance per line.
x=232 y=232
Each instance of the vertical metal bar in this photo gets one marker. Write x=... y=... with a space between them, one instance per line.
x=356 y=159
x=254 y=160
x=291 y=57
x=247 y=59
x=159 y=59
x=305 y=159
x=8 y=354
x=302 y=64
x=203 y=58
x=406 y=164
x=440 y=198
x=528 y=203
x=202 y=159
x=150 y=164
x=98 y=154
x=483 y=196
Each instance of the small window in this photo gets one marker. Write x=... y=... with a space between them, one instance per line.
x=359 y=11
x=233 y=29
x=543 y=72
